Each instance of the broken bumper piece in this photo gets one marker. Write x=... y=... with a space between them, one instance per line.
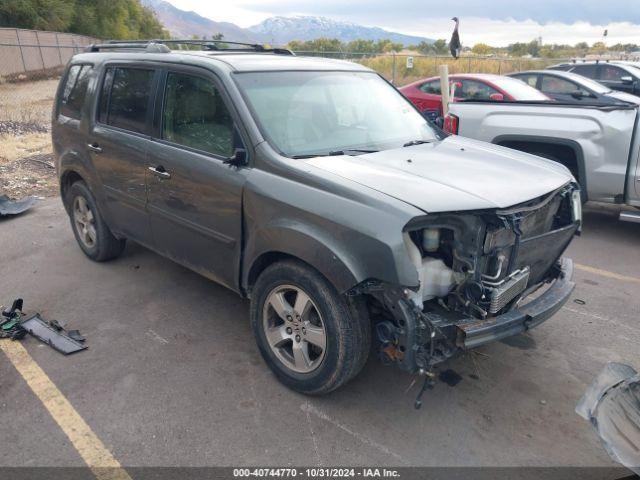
x=15 y=207
x=612 y=405
x=55 y=338
x=474 y=332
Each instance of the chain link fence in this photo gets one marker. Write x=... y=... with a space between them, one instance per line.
x=403 y=68
x=31 y=63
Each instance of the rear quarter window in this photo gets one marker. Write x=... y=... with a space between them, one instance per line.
x=124 y=100
x=530 y=80
x=588 y=71
x=432 y=87
x=75 y=91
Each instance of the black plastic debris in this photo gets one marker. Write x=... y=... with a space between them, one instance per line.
x=15 y=207
x=612 y=405
x=14 y=325
x=52 y=334
x=450 y=377
x=10 y=326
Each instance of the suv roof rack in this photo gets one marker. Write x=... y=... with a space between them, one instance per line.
x=160 y=46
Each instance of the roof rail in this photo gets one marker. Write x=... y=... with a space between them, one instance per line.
x=160 y=46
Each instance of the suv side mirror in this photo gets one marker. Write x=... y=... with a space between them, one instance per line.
x=579 y=94
x=238 y=158
x=626 y=79
x=496 y=97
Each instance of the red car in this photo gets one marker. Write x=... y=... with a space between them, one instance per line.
x=425 y=94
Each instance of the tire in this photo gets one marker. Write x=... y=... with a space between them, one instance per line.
x=91 y=232
x=293 y=348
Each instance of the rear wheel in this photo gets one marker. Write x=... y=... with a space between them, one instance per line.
x=91 y=232
x=307 y=333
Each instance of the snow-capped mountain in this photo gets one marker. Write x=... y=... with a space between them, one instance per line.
x=274 y=30
x=280 y=30
x=185 y=24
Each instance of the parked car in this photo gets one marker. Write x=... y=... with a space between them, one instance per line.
x=316 y=190
x=426 y=96
x=567 y=87
x=599 y=144
x=620 y=76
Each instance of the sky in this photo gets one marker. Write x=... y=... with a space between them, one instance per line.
x=496 y=22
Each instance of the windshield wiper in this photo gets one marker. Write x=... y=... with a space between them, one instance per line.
x=416 y=142
x=333 y=153
x=309 y=155
x=344 y=152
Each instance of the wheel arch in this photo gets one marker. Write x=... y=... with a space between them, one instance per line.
x=279 y=244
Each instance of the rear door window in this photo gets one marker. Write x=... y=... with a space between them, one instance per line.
x=551 y=84
x=196 y=116
x=124 y=101
x=75 y=91
x=609 y=73
x=473 y=90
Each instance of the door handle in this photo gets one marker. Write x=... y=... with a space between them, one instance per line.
x=159 y=171
x=94 y=147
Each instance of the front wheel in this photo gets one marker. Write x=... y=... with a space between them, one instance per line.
x=308 y=334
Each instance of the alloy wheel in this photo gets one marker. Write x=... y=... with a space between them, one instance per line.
x=294 y=328
x=84 y=222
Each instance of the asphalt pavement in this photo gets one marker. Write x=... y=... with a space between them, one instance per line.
x=173 y=377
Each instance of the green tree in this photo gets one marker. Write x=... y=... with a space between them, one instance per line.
x=361 y=46
x=107 y=19
x=598 y=48
x=38 y=14
x=482 y=49
x=440 y=46
x=425 y=48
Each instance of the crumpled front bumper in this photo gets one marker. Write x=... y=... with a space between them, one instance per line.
x=473 y=332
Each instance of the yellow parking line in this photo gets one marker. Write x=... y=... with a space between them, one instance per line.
x=606 y=273
x=101 y=462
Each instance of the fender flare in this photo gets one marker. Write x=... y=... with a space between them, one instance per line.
x=71 y=162
x=293 y=241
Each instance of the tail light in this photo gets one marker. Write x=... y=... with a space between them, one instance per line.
x=451 y=123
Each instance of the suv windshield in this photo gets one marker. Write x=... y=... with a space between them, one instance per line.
x=317 y=113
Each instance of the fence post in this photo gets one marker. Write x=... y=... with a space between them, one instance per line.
x=39 y=48
x=500 y=67
x=469 y=65
x=393 y=75
x=58 y=45
x=443 y=71
x=24 y=65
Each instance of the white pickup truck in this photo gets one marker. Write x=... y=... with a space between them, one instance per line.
x=599 y=145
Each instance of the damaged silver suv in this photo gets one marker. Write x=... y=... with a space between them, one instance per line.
x=313 y=188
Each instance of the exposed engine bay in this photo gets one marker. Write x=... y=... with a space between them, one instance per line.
x=475 y=269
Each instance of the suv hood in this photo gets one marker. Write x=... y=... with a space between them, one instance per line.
x=454 y=174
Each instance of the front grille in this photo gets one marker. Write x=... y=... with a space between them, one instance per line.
x=509 y=289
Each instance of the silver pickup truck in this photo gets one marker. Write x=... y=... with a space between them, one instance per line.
x=599 y=145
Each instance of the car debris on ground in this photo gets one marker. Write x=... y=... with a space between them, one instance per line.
x=612 y=405
x=14 y=324
x=15 y=207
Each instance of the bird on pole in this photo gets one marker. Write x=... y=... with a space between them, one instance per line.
x=454 y=45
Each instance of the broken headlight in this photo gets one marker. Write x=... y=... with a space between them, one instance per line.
x=576 y=208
